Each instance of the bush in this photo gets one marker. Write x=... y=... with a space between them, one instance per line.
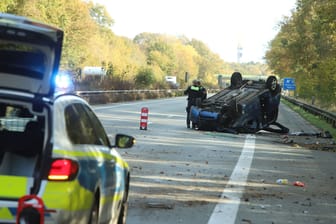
x=144 y=78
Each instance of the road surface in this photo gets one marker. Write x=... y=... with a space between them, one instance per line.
x=180 y=175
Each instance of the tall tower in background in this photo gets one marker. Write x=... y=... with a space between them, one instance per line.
x=239 y=52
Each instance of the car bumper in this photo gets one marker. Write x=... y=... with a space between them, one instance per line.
x=64 y=202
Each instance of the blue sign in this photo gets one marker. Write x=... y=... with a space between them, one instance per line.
x=289 y=84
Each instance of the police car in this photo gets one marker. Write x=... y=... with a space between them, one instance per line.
x=53 y=146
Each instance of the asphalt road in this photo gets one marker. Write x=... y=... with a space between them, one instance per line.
x=179 y=175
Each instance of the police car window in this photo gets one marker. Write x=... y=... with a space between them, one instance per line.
x=21 y=59
x=73 y=126
x=99 y=129
x=79 y=126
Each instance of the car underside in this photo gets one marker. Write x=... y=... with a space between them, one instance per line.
x=246 y=106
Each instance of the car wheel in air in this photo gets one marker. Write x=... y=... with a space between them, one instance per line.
x=236 y=80
x=271 y=83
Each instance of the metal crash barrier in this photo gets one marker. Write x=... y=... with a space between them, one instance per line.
x=325 y=115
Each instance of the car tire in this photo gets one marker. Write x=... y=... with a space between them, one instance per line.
x=29 y=216
x=272 y=83
x=236 y=80
x=94 y=213
x=123 y=213
x=124 y=207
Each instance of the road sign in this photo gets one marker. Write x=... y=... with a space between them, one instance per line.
x=289 y=84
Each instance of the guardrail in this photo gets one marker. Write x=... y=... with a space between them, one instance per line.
x=109 y=96
x=112 y=96
x=327 y=116
x=88 y=93
x=179 y=91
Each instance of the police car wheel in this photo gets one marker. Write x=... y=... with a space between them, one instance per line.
x=94 y=214
x=29 y=215
x=124 y=206
x=123 y=213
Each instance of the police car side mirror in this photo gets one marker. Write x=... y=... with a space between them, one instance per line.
x=124 y=141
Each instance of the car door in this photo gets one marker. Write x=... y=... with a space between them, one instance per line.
x=94 y=137
x=111 y=170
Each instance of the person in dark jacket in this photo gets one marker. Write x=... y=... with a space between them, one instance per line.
x=203 y=90
x=194 y=98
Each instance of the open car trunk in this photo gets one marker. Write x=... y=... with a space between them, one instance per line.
x=30 y=54
x=22 y=140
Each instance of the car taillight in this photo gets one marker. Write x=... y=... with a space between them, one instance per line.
x=63 y=169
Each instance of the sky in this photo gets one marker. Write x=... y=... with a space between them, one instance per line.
x=222 y=25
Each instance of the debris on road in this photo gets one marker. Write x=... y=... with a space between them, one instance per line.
x=314 y=141
x=246 y=221
x=159 y=205
x=325 y=134
x=282 y=181
x=298 y=184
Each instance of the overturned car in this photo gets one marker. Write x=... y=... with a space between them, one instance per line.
x=246 y=106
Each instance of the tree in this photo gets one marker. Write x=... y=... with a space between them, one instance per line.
x=209 y=63
x=8 y=6
x=101 y=16
x=305 y=48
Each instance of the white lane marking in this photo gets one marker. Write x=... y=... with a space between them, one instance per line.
x=226 y=212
